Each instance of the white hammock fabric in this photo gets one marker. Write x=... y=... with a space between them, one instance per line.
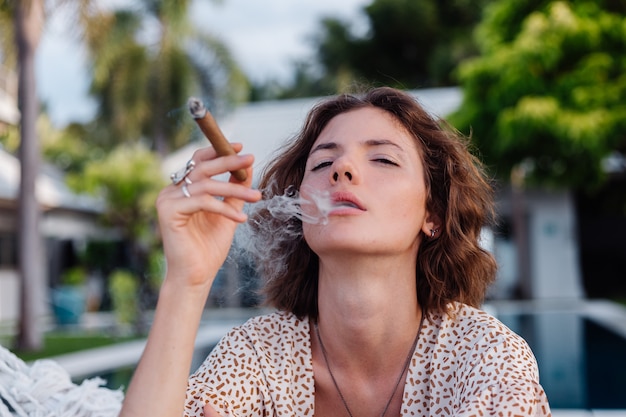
x=45 y=389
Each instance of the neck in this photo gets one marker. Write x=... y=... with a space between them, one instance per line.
x=368 y=310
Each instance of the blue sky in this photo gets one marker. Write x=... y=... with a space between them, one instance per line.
x=264 y=36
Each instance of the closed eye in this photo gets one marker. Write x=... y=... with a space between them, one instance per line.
x=321 y=165
x=385 y=161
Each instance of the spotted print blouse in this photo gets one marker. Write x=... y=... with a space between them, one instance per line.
x=465 y=364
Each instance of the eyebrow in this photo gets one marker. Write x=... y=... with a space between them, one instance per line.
x=369 y=143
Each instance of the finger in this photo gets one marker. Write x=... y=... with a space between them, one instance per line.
x=214 y=188
x=209 y=411
x=207 y=153
x=221 y=165
x=173 y=202
x=248 y=183
x=181 y=208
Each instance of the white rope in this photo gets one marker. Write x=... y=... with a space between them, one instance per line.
x=46 y=390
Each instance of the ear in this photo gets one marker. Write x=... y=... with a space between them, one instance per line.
x=432 y=226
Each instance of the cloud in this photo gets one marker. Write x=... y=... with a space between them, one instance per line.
x=266 y=36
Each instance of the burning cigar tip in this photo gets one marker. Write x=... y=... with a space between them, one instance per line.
x=196 y=108
x=211 y=130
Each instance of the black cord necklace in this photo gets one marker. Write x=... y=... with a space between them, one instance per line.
x=404 y=368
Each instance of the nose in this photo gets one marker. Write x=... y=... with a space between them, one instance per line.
x=346 y=167
x=343 y=170
x=347 y=174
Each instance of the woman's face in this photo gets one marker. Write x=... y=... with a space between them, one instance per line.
x=370 y=167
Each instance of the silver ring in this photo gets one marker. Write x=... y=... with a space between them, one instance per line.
x=186 y=191
x=188 y=181
x=178 y=176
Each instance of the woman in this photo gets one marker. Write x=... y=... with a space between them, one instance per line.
x=376 y=305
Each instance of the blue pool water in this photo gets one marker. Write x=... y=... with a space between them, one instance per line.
x=582 y=364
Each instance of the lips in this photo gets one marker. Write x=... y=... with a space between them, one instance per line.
x=346 y=200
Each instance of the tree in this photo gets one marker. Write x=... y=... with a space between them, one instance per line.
x=139 y=84
x=408 y=44
x=7 y=35
x=545 y=102
x=547 y=96
x=67 y=148
x=29 y=19
x=129 y=178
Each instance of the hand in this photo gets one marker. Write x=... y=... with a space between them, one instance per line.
x=197 y=231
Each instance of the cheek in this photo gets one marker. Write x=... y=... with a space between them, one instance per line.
x=310 y=232
x=307 y=205
x=315 y=203
x=411 y=211
x=310 y=182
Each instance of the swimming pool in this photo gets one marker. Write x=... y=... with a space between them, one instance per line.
x=581 y=356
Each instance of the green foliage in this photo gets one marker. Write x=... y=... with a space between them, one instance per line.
x=10 y=139
x=407 y=44
x=123 y=287
x=129 y=178
x=74 y=276
x=402 y=39
x=60 y=343
x=7 y=41
x=142 y=85
x=101 y=255
x=156 y=269
x=548 y=92
x=68 y=149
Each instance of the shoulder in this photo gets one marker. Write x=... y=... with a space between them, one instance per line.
x=496 y=371
x=253 y=368
x=275 y=322
x=275 y=328
x=267 y=339
x=482 y=338
x=472 y=324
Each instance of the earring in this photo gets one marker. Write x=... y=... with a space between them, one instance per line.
x=433 y=232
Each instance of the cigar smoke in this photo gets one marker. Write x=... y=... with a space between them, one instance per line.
x=313 y=209
x=270 y=240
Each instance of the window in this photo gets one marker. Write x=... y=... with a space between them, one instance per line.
x=8 y=250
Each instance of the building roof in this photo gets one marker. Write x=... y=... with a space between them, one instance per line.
x=51 y=190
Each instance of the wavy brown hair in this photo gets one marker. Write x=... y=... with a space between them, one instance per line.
x=451 y=267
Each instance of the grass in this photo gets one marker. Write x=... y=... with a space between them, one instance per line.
x=58 y=343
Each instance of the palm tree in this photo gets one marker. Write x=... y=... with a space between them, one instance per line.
x=125 y=73
x=140 y=84
x=29 y=18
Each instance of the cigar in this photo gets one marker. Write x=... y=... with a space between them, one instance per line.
x=212 y=131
